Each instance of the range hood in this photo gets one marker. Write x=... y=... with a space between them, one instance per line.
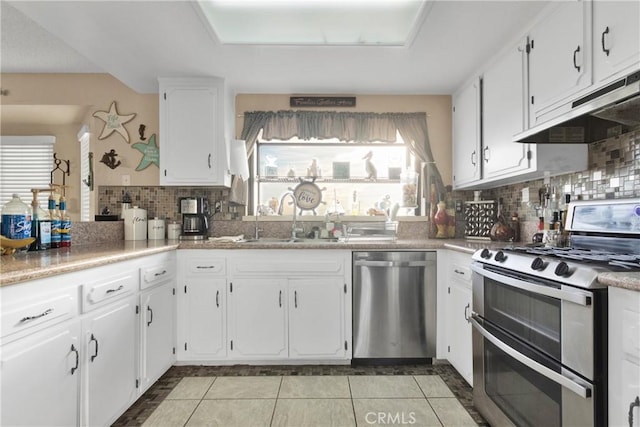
x=592 y=117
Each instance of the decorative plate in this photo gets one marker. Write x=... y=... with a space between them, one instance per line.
x=308 y=195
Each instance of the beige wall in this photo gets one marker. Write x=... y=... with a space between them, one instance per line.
x=437 y=107
x=95 y=92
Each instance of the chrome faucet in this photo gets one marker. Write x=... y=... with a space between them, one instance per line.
x=294 y=230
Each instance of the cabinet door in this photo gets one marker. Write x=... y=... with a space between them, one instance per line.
x=190 y=134
x=459 y=347
x=503 y=114
x=158 y=347
x=202 y=314
x=624 y=356
x=40 y=378
x=466 y=135
x=559 y=59
x=110 y=357
x=258 y=318
x=316 y=318
x=616 y=38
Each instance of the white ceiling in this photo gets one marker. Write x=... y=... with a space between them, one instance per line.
x=139 y=41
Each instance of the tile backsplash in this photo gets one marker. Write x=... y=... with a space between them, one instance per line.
x=614 y=172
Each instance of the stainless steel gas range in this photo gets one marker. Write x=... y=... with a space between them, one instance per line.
x=540 y=320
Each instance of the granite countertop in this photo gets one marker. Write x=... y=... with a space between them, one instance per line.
x=24 y=266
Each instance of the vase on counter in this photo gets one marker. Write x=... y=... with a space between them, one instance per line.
x=441 y=219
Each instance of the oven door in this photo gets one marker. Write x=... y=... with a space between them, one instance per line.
x=516 y=385
x=557 y=320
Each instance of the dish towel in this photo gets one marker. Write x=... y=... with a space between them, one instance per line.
x=228 y=238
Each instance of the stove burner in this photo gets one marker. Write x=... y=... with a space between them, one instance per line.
x=589 y=256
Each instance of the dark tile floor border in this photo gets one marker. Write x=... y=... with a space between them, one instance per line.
x=137 y=414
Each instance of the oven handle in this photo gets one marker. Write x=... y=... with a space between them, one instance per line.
x=574 y=297
x=579 y=389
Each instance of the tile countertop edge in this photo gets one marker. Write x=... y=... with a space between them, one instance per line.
x=60 y=261
x=626 y=280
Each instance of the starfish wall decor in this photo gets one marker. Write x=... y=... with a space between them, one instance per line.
x=150 y=153
x=114 y=122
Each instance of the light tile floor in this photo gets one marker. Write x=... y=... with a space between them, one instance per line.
x=293 y=397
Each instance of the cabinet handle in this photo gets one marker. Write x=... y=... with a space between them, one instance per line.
x=37 y=316
x=75 y=350
x=602 y=39
x=458 y=271
x=161 y=273
x=295 y=299
x=205 y=266
x=466 y=316
x=280 y=299
x=486 y=154
x=119 y=288
x=575 y=53
x=150 y=316
x=633 y=404
x=96 y=353
x=217 y=298
x=209 y=160
x=473 y=158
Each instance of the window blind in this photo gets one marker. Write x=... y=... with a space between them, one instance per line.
x=25 y=163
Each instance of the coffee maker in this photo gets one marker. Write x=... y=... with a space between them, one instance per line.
x=195 y=217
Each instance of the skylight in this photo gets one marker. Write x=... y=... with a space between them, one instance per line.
x=315 y=22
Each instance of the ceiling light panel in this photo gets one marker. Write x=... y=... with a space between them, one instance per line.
x=314 y=22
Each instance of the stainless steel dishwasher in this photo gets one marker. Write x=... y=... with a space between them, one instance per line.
x=394 y=306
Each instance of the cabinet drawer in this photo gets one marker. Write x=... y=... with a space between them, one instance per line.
x=39 y=313
x=288 y=263
x=460 y=267
x=205 y=265
x=153 y=275
x=97 y=294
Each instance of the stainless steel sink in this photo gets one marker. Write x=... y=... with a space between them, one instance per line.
x=270 y=240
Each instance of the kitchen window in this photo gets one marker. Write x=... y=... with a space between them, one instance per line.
x=355 y=178
x=25 y=163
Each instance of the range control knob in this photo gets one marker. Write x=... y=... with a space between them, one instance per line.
x=538 y=264
x=485 y=254
x=562 y=269
x=500 y=256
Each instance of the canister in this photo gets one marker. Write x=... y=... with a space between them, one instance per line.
x=155 y=229
x=135 y=224
x=173 y=230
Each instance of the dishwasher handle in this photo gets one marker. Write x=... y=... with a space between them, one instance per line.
x=365 y=263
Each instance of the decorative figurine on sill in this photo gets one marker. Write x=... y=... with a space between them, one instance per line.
x=369 y=167
x=313 y=171
x=291 y=173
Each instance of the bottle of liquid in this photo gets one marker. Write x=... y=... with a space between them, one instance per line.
x=355 y=204
x=65 y=224
x=515 y=225
x=40 y=229
x=16 y=219
x=56 y=239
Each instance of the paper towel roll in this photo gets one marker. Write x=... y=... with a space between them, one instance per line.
x=135 y=224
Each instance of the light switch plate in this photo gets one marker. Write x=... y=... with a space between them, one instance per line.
x=126 y=179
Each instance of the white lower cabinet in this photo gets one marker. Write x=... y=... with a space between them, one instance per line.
x=110 y=348
x=202 y=305
x=157 y=309
x=316 y=318
x=454 y=308
x=40 y=378
x=258 y=318
x=624 y=357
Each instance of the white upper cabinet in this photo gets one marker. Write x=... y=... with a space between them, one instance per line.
x=466 y=134
x=192 y=138
x=559 y=58
x=616 y=39
x=503 y=114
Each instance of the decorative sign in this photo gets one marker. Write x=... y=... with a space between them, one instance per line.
x=322 y=101
x=114 y=122
x=109 y=159
x=150 y=153
x=341 y=170
x=308 y=195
